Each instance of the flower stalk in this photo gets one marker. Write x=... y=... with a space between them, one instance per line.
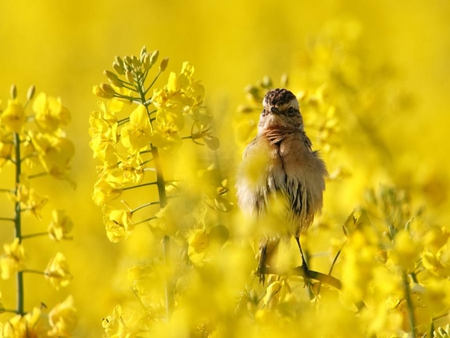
x=18 y=223
x=409 y=304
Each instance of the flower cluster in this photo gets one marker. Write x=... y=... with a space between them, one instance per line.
x=380 y=270
x=138 y=135
x=35 y=145
x=390 y=260
x=128 y=140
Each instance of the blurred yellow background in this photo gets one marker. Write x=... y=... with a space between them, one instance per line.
x=62 y=48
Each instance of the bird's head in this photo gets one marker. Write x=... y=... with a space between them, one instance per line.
x=280 y=111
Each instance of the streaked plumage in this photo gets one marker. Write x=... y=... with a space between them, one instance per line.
x=292 y=167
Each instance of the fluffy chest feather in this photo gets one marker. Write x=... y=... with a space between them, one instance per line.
x=283 y=166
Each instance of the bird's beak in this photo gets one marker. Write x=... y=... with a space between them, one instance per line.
x=274 y=110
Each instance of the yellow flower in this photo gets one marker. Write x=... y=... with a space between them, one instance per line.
x=13 y=259
x=272 y=294
x=105 y=191
x=198 y=246
x=437 y=297
x=406 y=251
x=13 y=116
x=20 y=326
x=128 y=170
x=57 y=272
x=114 y=325
x=6 y=146
x=199 y=240
x=136 y=134
x=171 y=117
x=50 y=113
x=358 y=264
x=63 y=318
x=103 y=132
x=55 y=153
x=438 y=263
x=60 y=226
x=118 y=223
x=166 y=136
x=29 y=199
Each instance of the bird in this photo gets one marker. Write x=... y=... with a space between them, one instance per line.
x=280 y=164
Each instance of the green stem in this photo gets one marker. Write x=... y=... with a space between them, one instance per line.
x=166 y=240
x=10 y=311
x=143 y=206
x=331 y=268
x=168 y=288
x=7 y=219
x=37 y=272
x=153 y=82
x=145 y=220
x=406 y=289
x=38 y=175
x=34 y=235
x=161 y=184
x=18 y=224
x=139 y=186
x=6 y=190
x=299 y=271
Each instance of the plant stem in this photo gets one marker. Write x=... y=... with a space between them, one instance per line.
x=161 y=184
x=140 y=185
x=37 y=234
x=17 y=223
x=143 y=206
x=166 y=240
x=407 y=290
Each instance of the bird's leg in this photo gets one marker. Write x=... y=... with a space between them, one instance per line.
x=262 y=262
x=304 y=264
x=308 y=282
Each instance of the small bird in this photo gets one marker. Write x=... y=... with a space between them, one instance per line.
x=282 y=166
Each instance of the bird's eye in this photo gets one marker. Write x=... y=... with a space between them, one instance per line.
x=291 y=111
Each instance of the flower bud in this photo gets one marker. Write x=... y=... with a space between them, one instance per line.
x=244 y=109
x=154 y=57
x=252 y=90
x=143 y=53
x=146 y=62
x=119 y=61
x=128 y=61
x=110 y=75
x=119 y=69
x=13 y=91
x=30 y=93
x=267 y=82
x=163 y=64
x=98 y=91
x=107 y=88
x=118 y=83
x=136 y=62
x=284 y=80
x=129 y=77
